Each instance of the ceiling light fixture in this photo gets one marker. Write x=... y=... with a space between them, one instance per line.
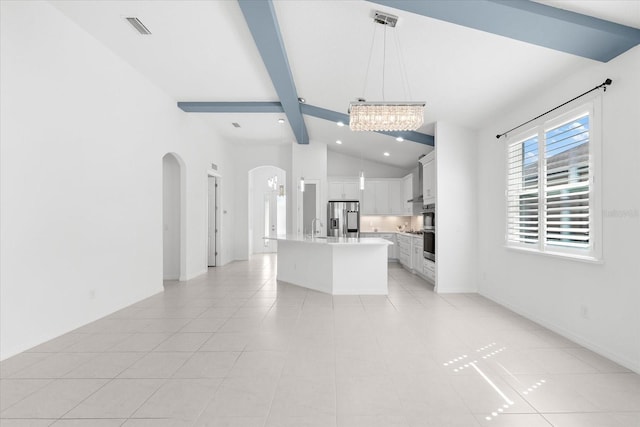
x=340 y=124
x=384 y=115
x=280 y=121
x=399 y=139
x=338 y=142
x=386 y=154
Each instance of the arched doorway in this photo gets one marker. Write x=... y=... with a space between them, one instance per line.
x=172 y=217
x=267 y=207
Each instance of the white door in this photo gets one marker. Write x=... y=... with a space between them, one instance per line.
x=213 y=231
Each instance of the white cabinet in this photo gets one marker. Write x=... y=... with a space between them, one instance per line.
x=396 y=204
x=407 y=194
x=429 y=270
x=404 y=250
x=381 y=190
x=392 y=248
x=382 y=197
x=344 y=190
x=368 y=202
x=416 y=254
x=392 y=251
x=429 y=178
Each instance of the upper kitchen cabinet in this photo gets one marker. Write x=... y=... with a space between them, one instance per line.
x=429 y=178
x=344 y=189
x=382 y=197
x=407 y=194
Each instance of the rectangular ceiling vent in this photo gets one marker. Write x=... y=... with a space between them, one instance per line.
x=236 y=125
x=138 y=25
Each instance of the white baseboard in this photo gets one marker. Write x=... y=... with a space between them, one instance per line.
x=633 y=365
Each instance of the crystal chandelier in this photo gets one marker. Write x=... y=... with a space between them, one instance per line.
x=385 y=116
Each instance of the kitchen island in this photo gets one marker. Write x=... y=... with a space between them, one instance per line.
x=334 y=265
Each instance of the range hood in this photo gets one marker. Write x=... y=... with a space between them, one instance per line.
x=418 y=197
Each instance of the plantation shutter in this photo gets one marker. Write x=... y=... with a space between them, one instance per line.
x=522 y=191
x=567 y=179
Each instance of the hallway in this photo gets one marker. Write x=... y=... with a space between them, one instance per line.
x=236 y=348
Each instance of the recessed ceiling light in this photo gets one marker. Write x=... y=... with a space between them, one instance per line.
x=338 y=142
x=340 y=124
x=399 y=139
x=386 y=154
x=280 y=121
x=235 y=124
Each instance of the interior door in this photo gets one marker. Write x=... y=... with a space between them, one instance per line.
x=212 y=211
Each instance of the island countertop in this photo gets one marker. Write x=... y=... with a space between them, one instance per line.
x=323 y=240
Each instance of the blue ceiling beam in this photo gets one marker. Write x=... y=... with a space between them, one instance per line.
x=231 y=107
x=276 y=107
x=263 y=24
x=531 y=22
x=335 y=117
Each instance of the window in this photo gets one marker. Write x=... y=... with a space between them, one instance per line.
x=551 y=196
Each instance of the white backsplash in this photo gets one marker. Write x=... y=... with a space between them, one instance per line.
x=390 y=223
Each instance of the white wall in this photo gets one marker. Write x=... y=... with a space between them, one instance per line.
x=82 y=140
x=171 y=206
x=551 y=290
x=258 y=190
x=309 y=161
x=455 y=208
x=245 y=159
x=342 y=165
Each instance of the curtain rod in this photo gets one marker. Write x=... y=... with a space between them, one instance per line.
x=602 y=85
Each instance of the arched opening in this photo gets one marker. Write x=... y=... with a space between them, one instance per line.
x=172 y=217
x=267 y=207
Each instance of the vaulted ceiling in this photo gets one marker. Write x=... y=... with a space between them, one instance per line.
x=204 y=51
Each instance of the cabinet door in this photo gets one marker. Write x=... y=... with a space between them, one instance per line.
x=430 y=180
x=381 y=189
x=396 y=204
x=351 y=190
x=407 y=194
x=368 y=202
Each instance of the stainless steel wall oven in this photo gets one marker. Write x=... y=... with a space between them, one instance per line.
x=429 y=232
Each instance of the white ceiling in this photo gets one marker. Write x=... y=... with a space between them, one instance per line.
x=203 y=51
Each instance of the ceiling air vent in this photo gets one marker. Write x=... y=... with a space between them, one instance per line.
x=236 y=125
x=138 y=25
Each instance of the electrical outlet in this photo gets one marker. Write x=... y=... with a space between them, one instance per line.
x=584 y=311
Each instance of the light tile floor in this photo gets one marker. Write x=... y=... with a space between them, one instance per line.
x=236 y=348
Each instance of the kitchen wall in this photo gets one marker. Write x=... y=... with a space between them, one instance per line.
x=390 y=223
x=456 y=216
x=342 y=165
x=595 y=305
x=83 y=137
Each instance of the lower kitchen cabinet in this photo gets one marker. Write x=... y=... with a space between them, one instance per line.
x=404 y=248
x=429 y=270
x=416 y=253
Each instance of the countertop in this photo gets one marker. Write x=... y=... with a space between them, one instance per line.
x=403 y=233
x=332 y=240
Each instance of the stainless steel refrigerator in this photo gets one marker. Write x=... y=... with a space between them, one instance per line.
x=343 y=217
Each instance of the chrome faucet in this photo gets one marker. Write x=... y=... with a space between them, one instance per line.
x=314 y=230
